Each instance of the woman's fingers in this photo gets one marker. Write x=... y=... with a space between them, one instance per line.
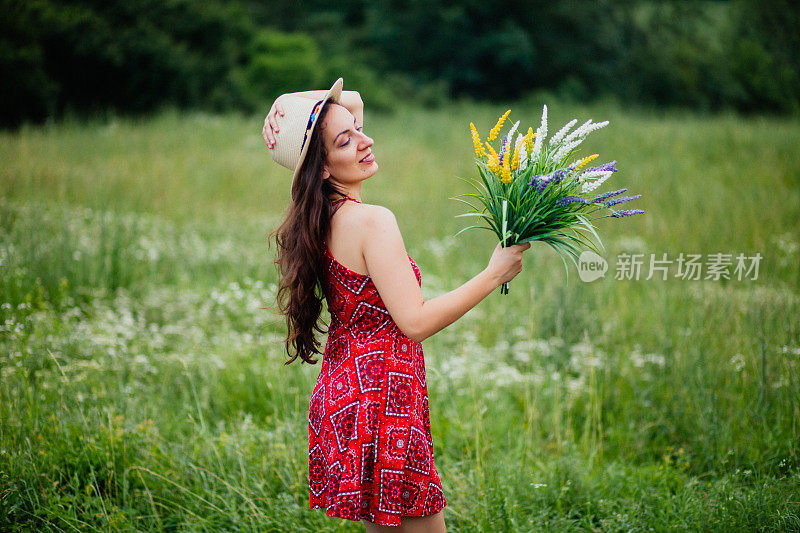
x=266 y=132
x=270 y=126
x=268 y=138
x=273 y=122
x=520 y=247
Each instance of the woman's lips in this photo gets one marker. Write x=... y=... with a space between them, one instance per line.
x=369 y=159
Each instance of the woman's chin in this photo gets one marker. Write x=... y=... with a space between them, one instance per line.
x=372 y=169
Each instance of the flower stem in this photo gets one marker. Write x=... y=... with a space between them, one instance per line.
x=504 y=286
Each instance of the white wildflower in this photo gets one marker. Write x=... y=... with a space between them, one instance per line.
x=565 y=149
x=563 y=131
x=655 y=358
x=579 y=133
x=576 y=384
x=596 y=126
x=780 y=383
x=522 y=356
x=542 y=347
x=636 y=357
x=503 y=375
x=589 y=186
x=519 y=140
x=511 y=133
x=523 y=152
x=541 y=133
x=592 y=174
x=519 y=147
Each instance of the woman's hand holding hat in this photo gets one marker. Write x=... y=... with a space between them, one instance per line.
x=297 y=114
x=271 y=123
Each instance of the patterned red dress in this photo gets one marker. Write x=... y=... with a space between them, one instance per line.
x=369 y=437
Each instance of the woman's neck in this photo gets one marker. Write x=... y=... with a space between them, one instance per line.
x=353 y=192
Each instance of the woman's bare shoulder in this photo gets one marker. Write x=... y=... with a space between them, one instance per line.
x=358 y=227
x=373 y=217
x=362 y=214
x=364 y=223
x=362 y=219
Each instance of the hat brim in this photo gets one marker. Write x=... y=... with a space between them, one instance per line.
x=334 y=94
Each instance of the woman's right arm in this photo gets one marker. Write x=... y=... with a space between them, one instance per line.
x=388 y=266
x=348 y=99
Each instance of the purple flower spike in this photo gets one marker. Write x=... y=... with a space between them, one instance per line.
x=605 y=167
x=503 y=148
x=622 y=200
x=606 y=195
x=535 y=180
x=559 y=175
x=629 y=212
x=543 y=182
x=572 y=200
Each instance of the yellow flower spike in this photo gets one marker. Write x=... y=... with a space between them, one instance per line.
x=497 y=127
x=505 y=173
x=529 y=140
x=515 y=159
x=493 y=157
x=586 y=160
x=476 y=141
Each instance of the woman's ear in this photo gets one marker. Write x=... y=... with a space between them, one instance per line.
x=325 y=173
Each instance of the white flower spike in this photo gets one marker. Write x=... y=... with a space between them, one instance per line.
x=541 y=133
x=563 y=131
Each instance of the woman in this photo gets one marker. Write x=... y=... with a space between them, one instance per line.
x=370 y=445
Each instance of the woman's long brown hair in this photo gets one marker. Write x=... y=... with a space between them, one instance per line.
x=300 y=241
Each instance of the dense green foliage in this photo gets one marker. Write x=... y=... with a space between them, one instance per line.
x=142 y=384
x=132 y=56
x=90 y=56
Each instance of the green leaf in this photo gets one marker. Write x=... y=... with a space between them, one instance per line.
x=482 y=215
x=472 y=227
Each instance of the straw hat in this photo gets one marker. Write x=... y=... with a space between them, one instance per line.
x=296 y=126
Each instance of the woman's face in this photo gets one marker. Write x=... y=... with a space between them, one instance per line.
x=350 y=159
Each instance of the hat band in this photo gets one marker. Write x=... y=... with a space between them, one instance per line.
x=310 y=123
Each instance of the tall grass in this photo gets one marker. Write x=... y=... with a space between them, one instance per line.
x=143 y=384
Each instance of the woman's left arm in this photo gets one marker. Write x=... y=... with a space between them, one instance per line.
x=349 y=99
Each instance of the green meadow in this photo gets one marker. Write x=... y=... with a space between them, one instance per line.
x=143 y=379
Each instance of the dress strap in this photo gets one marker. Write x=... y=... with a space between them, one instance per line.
x=343 y=199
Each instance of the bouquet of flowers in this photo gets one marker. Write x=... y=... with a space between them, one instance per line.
x=532 y=190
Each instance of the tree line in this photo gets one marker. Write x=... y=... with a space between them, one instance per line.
x=132 y=56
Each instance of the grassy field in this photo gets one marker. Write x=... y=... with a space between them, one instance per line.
x=143 y=384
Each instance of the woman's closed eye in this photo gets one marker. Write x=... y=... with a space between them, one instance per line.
x=348 y=140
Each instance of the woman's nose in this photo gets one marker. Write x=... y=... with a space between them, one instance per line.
x=366 y=140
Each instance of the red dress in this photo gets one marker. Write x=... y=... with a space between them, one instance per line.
x=369 y=437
